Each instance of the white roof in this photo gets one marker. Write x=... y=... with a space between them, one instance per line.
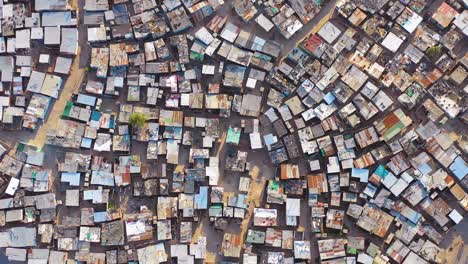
x=264 y=22
x=210 y=50
x=42 y=5
x=413 y=258
x=208 y=142
x=271 y=114
x=16 y=254
x=52 y=36
x=179 y=250
x=204 y=36
x=456 y=216
x=230 y=32
x=293 y=207
x=329 y=32
x=96 y=5
x=255 y=141
x=69 y=41
x=389 y=180
x=251 y=83
x=411 y=22
x=314 y=165
x=11 y=45
x=51 y=85
x=135 y=228
x=399 y=186
x=37 y=33
x=23 y=39
x=250 y=259
x=35 y=81
x=12 y=186
x=392 y=42
x=185 y=99
x=52 y=19
x=208 y=69
x=7 y=11
x=44 y=58
x=62 y=65
x=333 y=165
x=96 y=34
x=347 y=164
x=212 y=172
x=365 y=259
x=462 y=22
x=309 y=114
x=23 y=60
x=25 y=71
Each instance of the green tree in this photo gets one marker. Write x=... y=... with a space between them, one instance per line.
x=434 y=51
x=138 y=119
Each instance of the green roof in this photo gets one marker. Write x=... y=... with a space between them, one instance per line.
x=393 y=131
x=233 y=135
x=68 y=107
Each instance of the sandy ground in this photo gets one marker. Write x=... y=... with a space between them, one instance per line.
x=257 y=186
x=456 y=253
x=71 y=86
x=199 y=231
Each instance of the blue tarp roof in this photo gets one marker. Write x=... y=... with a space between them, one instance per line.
x=381 y=171
x=172 y=132
x=424 y=168
x=201 y=199
x=54 y=19
x=95 y=116
x=100 y=217
x=71 y=177
x=86 y=99
x=121 y=14
x=362 y=174
x=86 y=143
x=241 y=201
x=329 y=98
x=279 y=155
x=459 y=168
x=269 y=139
x=102 y=178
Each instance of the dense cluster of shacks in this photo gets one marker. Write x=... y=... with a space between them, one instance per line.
x=37 y=49
x=364 y=121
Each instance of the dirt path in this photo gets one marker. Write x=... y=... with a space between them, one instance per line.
x=456 y=253
x=210 y=257
x=257 y=186
x=71 y=86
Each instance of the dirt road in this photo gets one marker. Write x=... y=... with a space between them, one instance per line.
x=71 y=86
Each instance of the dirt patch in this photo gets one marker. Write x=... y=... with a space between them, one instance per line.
x=456 y=253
